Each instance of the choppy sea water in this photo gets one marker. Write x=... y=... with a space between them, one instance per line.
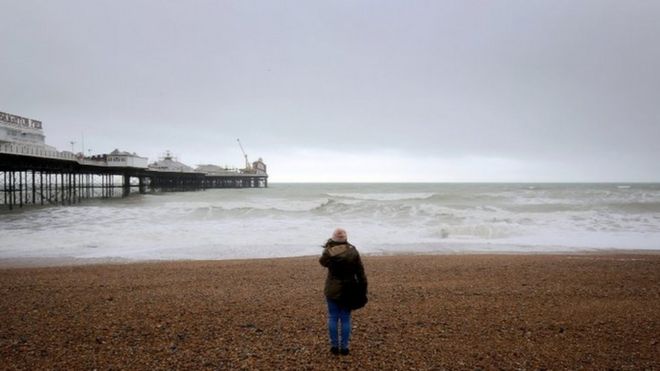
x=295 y=219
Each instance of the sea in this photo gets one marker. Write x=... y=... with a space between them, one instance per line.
x=287 y=220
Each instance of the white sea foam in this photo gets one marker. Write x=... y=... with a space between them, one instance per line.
x=292 y=220
x=384 y=196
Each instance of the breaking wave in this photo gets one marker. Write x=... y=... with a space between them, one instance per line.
x=383 y=196
x=379 y=217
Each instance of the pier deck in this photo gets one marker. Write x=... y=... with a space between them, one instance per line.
x=34 y=178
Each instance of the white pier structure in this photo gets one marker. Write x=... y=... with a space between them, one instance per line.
x=33 y=173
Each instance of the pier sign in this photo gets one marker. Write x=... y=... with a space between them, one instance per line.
x=19 y=121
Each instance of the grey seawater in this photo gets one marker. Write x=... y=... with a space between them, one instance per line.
x=295 y=220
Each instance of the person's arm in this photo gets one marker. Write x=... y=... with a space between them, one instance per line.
x=359 y=272
x=325 y=258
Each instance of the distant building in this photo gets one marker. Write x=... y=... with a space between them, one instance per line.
x=169 y=163
x=259 y=167
x=21 y=130
x=123 y=159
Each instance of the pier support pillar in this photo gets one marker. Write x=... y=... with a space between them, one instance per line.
x=143 y=187
x=126 y=186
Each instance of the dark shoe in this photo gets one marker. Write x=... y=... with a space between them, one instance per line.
x=344 y=352
x=334 y=350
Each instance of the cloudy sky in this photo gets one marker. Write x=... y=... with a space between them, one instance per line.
x=347 y=90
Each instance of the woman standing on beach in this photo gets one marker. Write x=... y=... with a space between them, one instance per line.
x=345 y=287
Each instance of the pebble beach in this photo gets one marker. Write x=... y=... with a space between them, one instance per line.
x=577 y=311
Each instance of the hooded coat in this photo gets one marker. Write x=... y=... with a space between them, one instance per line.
x=345 y=271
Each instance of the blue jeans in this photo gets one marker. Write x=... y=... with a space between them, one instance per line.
x=336 y=314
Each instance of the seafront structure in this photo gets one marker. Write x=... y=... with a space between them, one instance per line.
x=119 y=158
x=169 y=163
x=25 y=136
x=34 y=173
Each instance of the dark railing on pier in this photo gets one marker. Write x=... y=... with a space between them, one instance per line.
x=26 y=179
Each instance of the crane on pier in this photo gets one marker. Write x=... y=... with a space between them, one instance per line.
x=247 y=163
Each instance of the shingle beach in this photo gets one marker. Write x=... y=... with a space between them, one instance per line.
x=578 y=311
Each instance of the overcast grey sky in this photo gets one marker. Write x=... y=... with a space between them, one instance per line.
x=348 y=90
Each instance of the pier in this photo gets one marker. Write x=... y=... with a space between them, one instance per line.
x=34 y=173
x=30 y=175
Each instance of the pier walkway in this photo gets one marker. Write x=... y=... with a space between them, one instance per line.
x=30 y=175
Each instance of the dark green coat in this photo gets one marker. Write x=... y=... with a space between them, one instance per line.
x=344 y=266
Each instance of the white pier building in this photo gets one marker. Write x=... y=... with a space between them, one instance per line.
x=21 y=135
x=124 y=159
